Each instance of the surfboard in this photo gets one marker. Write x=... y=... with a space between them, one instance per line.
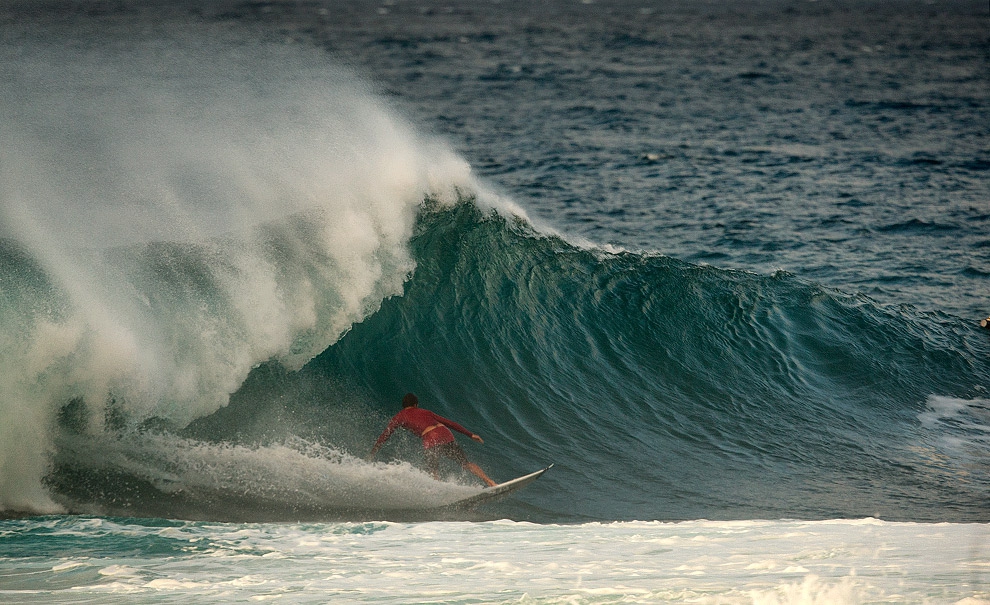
x=498 y=491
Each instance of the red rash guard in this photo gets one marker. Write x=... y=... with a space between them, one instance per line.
x=418 y=421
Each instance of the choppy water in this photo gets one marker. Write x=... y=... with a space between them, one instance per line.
x=720 y=263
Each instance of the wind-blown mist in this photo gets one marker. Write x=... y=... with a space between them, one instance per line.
x=176 y=209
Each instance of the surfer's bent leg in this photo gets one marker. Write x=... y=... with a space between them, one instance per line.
x=474 y=468
x=454 y=452
x=432 y=455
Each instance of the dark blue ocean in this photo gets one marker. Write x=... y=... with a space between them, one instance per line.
x=723 y=265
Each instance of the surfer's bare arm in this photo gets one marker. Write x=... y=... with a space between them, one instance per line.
x=460 y=429
x=392 y=425
x=454 y=426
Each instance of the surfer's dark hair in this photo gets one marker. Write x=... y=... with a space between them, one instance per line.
x=410 y=401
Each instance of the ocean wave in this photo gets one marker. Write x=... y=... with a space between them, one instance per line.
x=661 y=390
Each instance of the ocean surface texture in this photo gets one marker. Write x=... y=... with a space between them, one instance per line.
x=722 y=264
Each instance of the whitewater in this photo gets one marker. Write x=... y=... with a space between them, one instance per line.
x=723 y=267
x=765 y=562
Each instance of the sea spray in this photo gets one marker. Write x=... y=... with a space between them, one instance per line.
x=168 y=476
x=176 y=208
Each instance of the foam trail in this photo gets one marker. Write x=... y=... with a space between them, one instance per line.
x=176 y=208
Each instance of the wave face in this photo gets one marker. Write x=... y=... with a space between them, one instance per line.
x=669 y=390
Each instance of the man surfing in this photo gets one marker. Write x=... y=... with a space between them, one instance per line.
x=434 y=430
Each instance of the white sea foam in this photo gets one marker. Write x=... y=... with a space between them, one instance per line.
x=754 y=562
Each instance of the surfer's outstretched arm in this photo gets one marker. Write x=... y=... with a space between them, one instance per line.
x=455 y=426
x=392 y=425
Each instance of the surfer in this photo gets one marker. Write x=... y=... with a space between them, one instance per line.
x=434 y=430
